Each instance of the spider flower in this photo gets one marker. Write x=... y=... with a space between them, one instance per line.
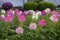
x=48 y=10
x=54 y=12
x=35 y=15
x=19 y=30
x=10 y=11
x=54 y=18
x=8 y=18
x=22 y=18
x=42 y=22
x=43 y=13
x=3 y=11
x=33 y=26
x=2 y=15
x=16 y=10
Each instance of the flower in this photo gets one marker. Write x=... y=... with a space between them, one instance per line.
x=8 y=18
x=16 y=10
x=2 y=15
x=32 y=26
x=42 y=22
x=3 y=11
x=48 y=10
x=59 y=14
x=36 y=15
x=10 y=11
x=26 y=12
x=19 y=30
x=54 y=18
x=43 y=13
x=31 y=12
x=39 y=12
x=22 y=18
x=54 y=12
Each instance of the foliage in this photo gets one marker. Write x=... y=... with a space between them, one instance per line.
x=30 y=6
x=7 y=5
x=43 y=5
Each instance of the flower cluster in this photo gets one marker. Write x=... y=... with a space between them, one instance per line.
x=24 y=16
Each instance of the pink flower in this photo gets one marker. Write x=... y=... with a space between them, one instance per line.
x=54 y=12
x=19 y=30
x=22 y=18
x=54 y=18
x=18 y=13
x=17 y=10
x=10 y=11
x=42 y=22
x=26 y=12
x=59 y=14
x=32 y=26
x=8 y=18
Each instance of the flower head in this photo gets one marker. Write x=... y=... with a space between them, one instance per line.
x=19 y=30
x=26 y=12
x=36 y=15
x=2 y=15
x=17 y=10
x=42 y=22
x=8 y=18
x=32 y=26
x=22 y=18
x=48 y=10
x=10 y=11
x=3 y=11
x=54 y=12
x=18 y=13
x=43 y=13
x=54 y=18
x=31 y=12
x=39 y=12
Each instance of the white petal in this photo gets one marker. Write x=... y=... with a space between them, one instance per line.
x=33 y=17
x=3 y=11
x=2 y=15
x=47 y=10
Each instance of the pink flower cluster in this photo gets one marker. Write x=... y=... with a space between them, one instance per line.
x=9 y=17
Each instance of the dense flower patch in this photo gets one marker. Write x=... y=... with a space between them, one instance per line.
x=29 y=25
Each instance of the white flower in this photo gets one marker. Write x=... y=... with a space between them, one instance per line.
x=35 y=15
x=31 y=11
x=3 y=11
x=2 y=15
x=47 y=10
x=39 y=12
